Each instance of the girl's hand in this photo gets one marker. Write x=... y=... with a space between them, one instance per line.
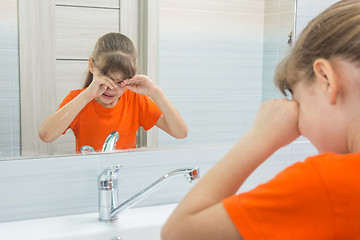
x=140 y=84
x=99 y=84
x=277 y=122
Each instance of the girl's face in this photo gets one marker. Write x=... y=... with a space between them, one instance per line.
x=111 y=96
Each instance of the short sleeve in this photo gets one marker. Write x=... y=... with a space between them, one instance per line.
x=149 y=112
x=293 y=205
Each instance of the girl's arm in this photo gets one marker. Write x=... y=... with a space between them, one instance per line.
x=170 y=121
x=201 y=215
x=55 y=124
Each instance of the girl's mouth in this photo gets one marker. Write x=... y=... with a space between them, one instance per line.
x=107 y=95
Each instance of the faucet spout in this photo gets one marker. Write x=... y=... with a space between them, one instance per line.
x=190 y=174
x=110 y=141
x=109 y=144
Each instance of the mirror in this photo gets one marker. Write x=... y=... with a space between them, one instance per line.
x=216 y=63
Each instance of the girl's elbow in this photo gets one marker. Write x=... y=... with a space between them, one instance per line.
x=183 y=133
x=45 y=136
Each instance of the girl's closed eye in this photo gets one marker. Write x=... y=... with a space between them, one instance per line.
x=119 y=82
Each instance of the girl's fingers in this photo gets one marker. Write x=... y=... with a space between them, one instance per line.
x=102 y=80
x=108 y=82
x=113 y=84
x=137 y=80
x=130 y=81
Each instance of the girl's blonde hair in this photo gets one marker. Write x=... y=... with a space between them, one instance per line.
x=334 y=33
x=113 y=52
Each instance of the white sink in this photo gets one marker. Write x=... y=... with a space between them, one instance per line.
x=133 y=224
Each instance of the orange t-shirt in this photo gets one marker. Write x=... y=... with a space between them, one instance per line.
x=315 y=199
x=94 y=122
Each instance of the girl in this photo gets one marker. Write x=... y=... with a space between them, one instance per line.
x=113 y=98
x=315 y=199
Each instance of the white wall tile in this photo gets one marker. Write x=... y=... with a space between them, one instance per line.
x=5 y=92
x=15 y=122
x=6 y=152
x=9 y=80
x=278 y=23
x=48 y=187
x=4 y=62
x=307 y=10
x=5 y=123
x=300 y=150
x=211 y=53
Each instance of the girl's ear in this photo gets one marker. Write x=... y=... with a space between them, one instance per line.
x=91 y=66
x=325 y=74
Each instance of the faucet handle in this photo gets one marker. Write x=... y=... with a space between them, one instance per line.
x=86 y=149
x=107 y=180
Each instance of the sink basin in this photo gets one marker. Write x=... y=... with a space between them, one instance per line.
x=133 y=224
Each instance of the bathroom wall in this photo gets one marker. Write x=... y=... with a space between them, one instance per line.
x=307 y=10
x=210 y=61
x=278 y=24
x=9 y=80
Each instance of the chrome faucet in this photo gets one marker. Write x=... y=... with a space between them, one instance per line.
x=108 y=146
x=110 y=141
x=108 y=193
